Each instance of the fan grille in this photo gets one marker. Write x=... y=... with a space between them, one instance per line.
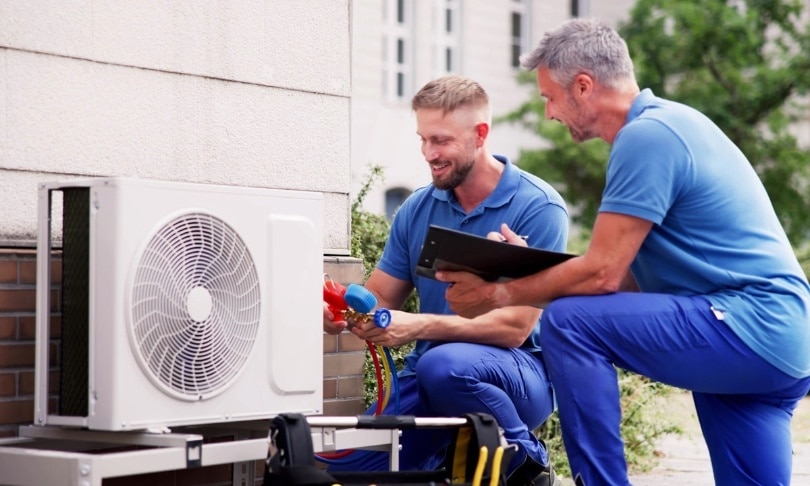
x=195 y=306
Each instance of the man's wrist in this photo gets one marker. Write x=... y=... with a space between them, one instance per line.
x=503 y=294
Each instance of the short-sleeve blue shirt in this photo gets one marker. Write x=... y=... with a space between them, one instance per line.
x=529 y=205
x=715 y=232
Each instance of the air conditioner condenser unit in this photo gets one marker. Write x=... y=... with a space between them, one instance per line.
x=180 y=303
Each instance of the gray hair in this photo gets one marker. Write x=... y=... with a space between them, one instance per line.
x=583 y=46
x=449 y=93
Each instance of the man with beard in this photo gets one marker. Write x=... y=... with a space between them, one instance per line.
x=725 y=308
x=491 y=363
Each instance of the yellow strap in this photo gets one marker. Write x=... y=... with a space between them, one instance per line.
x=479 y=468
x=460 y=454
x=496 y=467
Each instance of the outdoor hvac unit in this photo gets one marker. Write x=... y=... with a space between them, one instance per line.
x=180 y=304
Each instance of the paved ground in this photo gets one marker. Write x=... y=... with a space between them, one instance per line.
x=684 y=459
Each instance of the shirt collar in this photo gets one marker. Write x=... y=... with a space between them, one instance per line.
x=643 y=99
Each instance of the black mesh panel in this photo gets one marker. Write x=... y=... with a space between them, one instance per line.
x=73 y=371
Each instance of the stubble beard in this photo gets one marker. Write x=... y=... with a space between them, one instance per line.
x=455 y=178
x=577 y=127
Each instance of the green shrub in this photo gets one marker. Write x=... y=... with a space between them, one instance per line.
x=369 y=232
x=643 y=423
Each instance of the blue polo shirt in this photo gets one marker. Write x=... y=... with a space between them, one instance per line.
x=715 y=232
x=529 y=205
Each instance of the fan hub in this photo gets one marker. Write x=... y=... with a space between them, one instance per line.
x=199 y=304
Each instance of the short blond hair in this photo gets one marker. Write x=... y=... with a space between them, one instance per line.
x=450 y=93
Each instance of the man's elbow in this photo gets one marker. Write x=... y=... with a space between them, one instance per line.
x=514 y=342
x=607 y=282
x=519 y=336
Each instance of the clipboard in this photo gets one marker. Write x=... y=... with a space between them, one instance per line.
x=447 y=249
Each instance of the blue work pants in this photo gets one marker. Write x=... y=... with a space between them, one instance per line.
x=744 y=404
x=454 y=379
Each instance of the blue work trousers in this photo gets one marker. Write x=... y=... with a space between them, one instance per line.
x=744 y=404
x=454 y=379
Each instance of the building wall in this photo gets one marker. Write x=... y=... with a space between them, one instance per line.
x=246 y=93
x=384 y=132
x=239 y=93
x=17 y=339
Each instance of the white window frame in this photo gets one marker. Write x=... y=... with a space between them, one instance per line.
x=519 y=44
x=398 y=39
x=447 y=42
x=580 y=8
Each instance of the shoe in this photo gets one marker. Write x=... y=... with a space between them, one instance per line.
x=531 y=473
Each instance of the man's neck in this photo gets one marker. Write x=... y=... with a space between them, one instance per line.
x=614 y=112
x=480 y=183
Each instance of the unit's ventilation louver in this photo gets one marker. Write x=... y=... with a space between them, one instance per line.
x=195 y=306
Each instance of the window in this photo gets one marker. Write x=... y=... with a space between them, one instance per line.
x=519 y=42
x=393 y=200
x=397 y=49
x=579 y=8
x=447 y=37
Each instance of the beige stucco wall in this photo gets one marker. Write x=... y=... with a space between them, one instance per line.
x=249 y=93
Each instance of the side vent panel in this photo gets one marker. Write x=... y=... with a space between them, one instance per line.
x=73 y=371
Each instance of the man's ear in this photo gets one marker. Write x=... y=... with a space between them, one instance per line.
x=482 y=130
x=583 y=85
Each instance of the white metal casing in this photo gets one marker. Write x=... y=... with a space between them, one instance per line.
x=282 y=230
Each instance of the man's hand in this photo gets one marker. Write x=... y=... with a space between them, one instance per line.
x=507 y=236
x=470 y=296
x=332 y=327
x=404 y=328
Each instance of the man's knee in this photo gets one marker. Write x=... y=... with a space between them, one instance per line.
x=556 y=316
x=448 y=366
x=433 y=368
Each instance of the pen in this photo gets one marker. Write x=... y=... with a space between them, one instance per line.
x=502 y=238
